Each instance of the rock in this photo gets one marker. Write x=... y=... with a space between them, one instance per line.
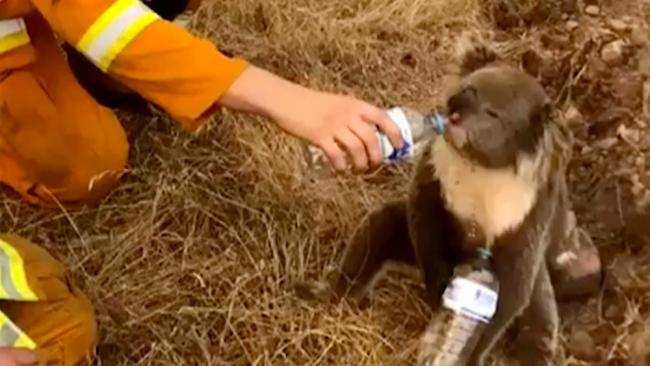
x=592 y=10
x=639 y=161
x=612 y=53
x=639 y=36
x=582 y=345
x=573 y=117
x=606 y=143
x=618 y=25
x=628 y=90
x=631 y=135
x=571 y=25
x=614 y=312
x=586 y=150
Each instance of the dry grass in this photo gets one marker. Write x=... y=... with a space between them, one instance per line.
x=189 y=262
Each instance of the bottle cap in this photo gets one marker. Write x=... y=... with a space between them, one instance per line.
x=438 y=121
x=484 y=252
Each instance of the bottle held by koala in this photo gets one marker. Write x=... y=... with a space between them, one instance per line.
x=416 y=128
x=469 y=303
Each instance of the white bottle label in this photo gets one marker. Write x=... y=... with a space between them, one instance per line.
x=401 y=121
x=471 y=299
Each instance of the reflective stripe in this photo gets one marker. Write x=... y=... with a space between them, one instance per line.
x=13 y=34
x=114 y=30
x=13 y=280
x=12 y=336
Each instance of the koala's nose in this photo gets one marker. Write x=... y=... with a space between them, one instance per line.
x=466 y=100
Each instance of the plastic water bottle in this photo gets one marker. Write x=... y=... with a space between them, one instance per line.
x=416 y=128
x=469 y=303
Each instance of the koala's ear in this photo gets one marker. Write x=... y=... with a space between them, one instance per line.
x=477 y=57
x=543 y=113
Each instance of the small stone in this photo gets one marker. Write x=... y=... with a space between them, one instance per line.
x=612 y=53
x=639 y=36
x=582 y=345
x=586 y=150
x=613 y=312
x=628 y=134
x=639 y=161
x=618 y=25
x=571 y=25
x=573 y=116
x=592 y=10
x=607 y=143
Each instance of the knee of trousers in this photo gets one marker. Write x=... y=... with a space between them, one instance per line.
x=62 y=320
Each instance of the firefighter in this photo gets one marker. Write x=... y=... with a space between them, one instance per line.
x=44 y=317
x=58 y=145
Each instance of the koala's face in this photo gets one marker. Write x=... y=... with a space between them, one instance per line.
x=497 y=113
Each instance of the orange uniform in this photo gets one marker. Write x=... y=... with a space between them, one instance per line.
x=56 y=142
x=40 y=308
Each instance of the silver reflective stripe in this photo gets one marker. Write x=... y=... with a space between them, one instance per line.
x=114 y=30
x=5 y=277
x=12 y=26
x=9 y=334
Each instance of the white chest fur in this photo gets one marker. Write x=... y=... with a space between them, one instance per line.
x=496 y=200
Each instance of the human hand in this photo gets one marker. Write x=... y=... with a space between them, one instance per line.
x=342 y=126
x=18 y=357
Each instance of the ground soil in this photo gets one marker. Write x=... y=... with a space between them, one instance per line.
x=190 y=260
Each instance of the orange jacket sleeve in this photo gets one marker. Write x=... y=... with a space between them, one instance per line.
x=182 y=74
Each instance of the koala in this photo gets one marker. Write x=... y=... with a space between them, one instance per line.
x=495 y=178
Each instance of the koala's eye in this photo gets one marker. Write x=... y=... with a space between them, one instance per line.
x=492 y=113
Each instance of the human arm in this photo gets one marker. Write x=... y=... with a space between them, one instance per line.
x=187 y=77
x=18 y=357
x=338 y=124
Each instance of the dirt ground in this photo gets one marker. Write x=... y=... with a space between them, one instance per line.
x=190 y=261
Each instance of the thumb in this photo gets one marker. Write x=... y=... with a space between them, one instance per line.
x=25 y=357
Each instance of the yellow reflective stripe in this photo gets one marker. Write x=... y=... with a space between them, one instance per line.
x=13 y=280
x=24 y=342
x=12 y=336
x=114 y=30
x=126 y=37
x=13 y=34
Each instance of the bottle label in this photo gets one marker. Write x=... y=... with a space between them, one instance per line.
x=398 y=116
x=471 y=299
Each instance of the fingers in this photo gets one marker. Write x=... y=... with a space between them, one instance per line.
x=381 y=119
x=334 y=154
x=355 y=148
x=368 y=136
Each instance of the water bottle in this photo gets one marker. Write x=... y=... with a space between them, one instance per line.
x=416 y=129
x=468 y=305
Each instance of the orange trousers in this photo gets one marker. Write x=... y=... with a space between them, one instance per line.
x=57 y=144
x=63 y=324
